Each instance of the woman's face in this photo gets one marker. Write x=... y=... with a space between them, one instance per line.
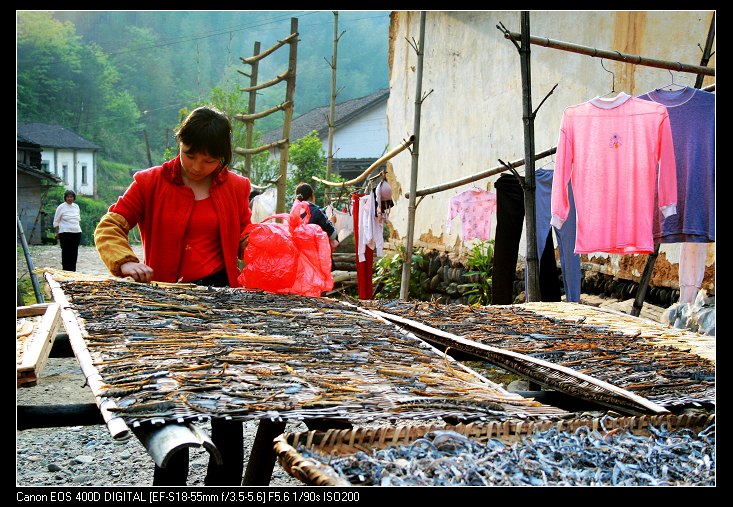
x=197 y=166
x=69 y=198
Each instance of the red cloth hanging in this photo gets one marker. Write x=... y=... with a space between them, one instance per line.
x=363 y=269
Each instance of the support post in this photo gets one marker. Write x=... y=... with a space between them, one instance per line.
x=407 y=261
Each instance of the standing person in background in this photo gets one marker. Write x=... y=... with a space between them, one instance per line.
x=191 y=211
x=304 y=192
x=66 y=223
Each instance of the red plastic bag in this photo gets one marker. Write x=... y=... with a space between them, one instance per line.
x=271 y=257
x=292 y=257
x=314 y=264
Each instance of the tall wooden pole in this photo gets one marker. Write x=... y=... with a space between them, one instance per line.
x=407 y=261
x=287 y=118
x=332 y=112
x=532 y=264
x=250 y=126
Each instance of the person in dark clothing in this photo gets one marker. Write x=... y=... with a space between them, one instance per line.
x=304 y=192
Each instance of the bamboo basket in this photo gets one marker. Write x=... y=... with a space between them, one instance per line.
x=340 y=443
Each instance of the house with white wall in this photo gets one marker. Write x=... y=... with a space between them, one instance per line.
x=65 y=154
x=360 y=132
x=472 y=116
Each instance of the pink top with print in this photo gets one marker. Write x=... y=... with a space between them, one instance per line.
x=475 y=207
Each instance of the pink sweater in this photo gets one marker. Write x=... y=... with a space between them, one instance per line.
x=616 y=153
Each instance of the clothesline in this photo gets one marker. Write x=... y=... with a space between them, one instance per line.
x=614 y=55
x=479 y=176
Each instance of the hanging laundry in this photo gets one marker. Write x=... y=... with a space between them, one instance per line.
x=476 y=207
x=692 y=120
x=384 y=202
x=343 y=221
x=263 y=205
x=611 y=150
x=365 y=255
x=569 y=260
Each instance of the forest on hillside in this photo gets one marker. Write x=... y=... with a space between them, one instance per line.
x=122 y=79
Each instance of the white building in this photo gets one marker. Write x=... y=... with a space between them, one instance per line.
x=65 y=154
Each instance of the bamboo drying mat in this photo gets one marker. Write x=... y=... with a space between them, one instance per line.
x=646 y=358
x=339 y=443
x=35 y=332
x=653 y=332
x=157 y=353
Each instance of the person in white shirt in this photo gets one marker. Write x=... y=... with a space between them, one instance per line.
x=66 y=222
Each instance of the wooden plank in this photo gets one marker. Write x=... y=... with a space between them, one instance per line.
x=31 y=311
x=38 y=344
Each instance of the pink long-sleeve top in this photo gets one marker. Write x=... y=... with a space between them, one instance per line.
x=616 y=154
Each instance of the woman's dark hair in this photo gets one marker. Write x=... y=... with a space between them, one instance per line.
x=69 y=193
x=303 y=191
x=207 y=130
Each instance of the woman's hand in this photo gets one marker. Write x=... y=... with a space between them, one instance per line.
x=334 y=243
x=137 y=271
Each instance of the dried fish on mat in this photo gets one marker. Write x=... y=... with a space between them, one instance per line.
x=181 y=352
x=622 y=454
x=673 y=378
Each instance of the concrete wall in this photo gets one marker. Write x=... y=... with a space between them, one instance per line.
x=74 y=160
x=363 y=137
x=473 y=114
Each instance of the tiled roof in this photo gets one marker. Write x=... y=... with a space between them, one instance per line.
x=54 y=136
x=317 y=119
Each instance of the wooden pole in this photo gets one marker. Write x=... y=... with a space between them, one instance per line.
x=614 y=55
x=407 y=261
x=29 y=261
x=480 y=175
x=532 y=262
x=706 y=54
x=288 y=117
x=250 y=110
x=332 y=112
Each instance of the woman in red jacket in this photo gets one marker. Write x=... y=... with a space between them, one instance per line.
x=191 y=212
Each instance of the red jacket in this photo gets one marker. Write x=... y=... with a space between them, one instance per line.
x=160 y=204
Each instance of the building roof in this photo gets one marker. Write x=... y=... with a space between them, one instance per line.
x=54 y=136
x=37 y=173
x=317 y=119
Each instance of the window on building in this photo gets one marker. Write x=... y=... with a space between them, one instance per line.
x=65 y=173
x=83 y=174
x=44 y=166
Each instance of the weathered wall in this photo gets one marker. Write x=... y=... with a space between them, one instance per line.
x=472 y=115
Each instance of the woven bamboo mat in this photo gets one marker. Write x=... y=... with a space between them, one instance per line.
x=157 y=353
x=289 y=447
x=637 y=355
x=655 y=333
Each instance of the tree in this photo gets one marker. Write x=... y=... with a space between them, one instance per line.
x=306 y=158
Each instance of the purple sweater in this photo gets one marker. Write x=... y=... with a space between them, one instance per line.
x=692 y=119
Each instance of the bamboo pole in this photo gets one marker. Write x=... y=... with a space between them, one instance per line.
x=614 y=55
x=332 y=112
x=288 y=116
x=407 y=261
x=707 y=52
x=267 y=84
x=481 y=175
x=381 y=160
x=287 y=40
x=259 y=149
x=29 y=261
x=251 y=117
x=251 y=107
x=532 y=263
